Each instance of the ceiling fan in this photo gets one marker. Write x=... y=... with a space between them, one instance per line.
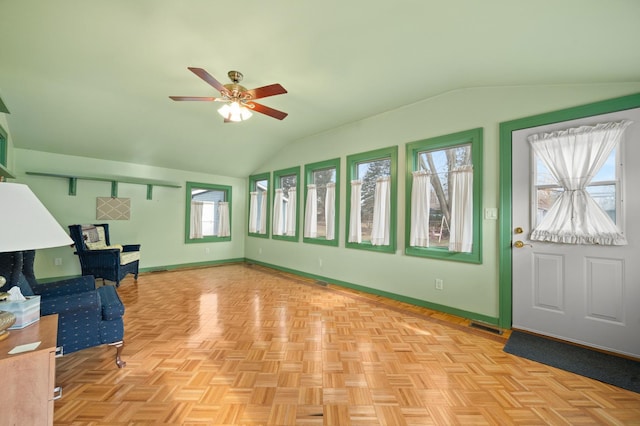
x=239 y=102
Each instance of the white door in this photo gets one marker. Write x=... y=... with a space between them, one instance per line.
x=587 y=294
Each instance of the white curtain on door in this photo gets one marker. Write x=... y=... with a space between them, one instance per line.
x=381 y=212
x=330 y=210
x=574 y=157
x=253 y=212
x=355 y=219
x=461 y=226
x=291 y=220
x=195 y=229
x=420 y=209
x=311 y=212
x=278 y=212
x=223 y=219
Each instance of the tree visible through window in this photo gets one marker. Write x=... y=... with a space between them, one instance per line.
x=285 y=207
x=321 y=202
x=369 y=173
x=371 y=196
x=443 y=197
x=440 y=165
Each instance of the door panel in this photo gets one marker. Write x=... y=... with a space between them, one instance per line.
x=588 y=294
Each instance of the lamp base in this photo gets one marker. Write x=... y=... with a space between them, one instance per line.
x=7 y=319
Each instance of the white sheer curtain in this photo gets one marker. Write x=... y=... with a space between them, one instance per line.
x=355 y=219
x=330 y=210
x=381 y=212
x=574 y=157
x=253 y=212
x=262 y=226
x=223 y=219
x=278 y=212
x=311 y=212
x=420 y=208
x=195 y=230
x=291 y=220
x=461 y=226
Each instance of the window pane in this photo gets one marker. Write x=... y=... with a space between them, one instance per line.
x=605 y=196
x=287 y=182
x=368 y=173
x=442 y=223
x=547 y=191
x=320 y=178
x=608 y=170
x=545 y=197
x=441 y=163
x=261 y=188
x=210 y=199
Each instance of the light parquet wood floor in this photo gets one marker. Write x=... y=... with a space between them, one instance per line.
x=245 y=345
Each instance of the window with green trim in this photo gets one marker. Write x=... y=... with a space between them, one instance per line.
x=371 y=200
x=258 y=205
x=208 y=213
x=285 y=204
x=3 y=147
x=322 y=202
x=443 y=197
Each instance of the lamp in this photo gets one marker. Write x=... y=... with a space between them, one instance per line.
x=235 y=112
x=25 y=224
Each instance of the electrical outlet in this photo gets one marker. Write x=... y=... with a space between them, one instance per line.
x=320 y=262
x=439 y=284
x=207 y=250
x=260 y=250
x=57 y=261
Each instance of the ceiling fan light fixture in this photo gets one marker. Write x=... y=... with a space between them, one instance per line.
x=234 y=112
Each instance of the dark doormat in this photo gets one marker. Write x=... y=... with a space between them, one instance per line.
x=611 y=369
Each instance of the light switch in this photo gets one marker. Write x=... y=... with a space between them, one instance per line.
x=491 y=213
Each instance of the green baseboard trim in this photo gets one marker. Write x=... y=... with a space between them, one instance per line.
x=400 y=298
x=160 y=268
x=192 y=265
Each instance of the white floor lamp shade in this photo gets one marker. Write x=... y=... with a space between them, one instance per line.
x=25 y=223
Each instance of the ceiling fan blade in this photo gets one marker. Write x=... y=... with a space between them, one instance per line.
x=209 y=79
x=265 y=91
x=193 y=98
x=267 y=111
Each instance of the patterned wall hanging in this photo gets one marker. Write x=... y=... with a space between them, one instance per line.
x=109 y=208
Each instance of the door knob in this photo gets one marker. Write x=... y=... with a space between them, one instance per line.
x=518 y=230
x=520 y=244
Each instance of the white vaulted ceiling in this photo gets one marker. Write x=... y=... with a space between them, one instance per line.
x=92 y=77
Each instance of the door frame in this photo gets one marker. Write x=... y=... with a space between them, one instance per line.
x=505 y=289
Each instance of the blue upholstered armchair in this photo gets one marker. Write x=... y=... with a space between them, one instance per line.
x=101 y=259
x=87 y=316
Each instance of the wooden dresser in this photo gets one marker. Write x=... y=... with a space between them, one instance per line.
x=28 y=378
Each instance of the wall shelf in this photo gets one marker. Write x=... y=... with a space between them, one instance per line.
x=73 y=182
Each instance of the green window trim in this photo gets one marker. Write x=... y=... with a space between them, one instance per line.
x=309 y=169
x=253 y=179
x=277 y=175
x=352 y=164
x=187 y=221
x=475 y=138
x=3 y=147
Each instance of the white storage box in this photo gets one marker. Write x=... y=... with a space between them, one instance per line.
x=26 y=311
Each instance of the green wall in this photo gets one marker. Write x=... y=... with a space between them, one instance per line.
x=470 y=290
x=157 y=224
